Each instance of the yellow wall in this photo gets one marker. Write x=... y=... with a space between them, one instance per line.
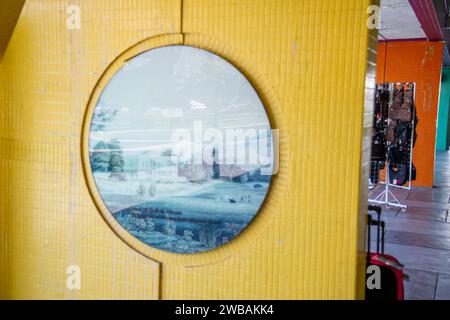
x=306 y=242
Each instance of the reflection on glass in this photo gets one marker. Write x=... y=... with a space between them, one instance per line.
x=181 y=149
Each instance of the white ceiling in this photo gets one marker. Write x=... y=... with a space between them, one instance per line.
x=398 y=21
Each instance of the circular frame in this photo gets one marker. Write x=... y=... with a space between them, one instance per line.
x=250 y=234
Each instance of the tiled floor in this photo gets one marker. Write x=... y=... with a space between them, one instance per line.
x=420 y=237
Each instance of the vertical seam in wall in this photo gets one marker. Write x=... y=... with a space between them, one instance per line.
x=181 y=20
x=160 y=264
x=160 y=287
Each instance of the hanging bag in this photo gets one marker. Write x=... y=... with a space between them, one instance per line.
x=398 y=174
x=397 y=102
x=390 y=131
x=406 y=110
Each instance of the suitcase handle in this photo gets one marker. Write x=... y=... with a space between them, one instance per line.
x=369 y=224
x=377 y=209
x=380 y=225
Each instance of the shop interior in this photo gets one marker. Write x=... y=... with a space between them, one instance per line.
x=410 y=166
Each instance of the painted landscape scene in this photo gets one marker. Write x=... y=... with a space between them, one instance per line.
x=150 y=182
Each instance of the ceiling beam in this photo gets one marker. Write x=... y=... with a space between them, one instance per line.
x=441 y=7
x=427 y=16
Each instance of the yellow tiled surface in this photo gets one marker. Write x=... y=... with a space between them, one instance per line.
x=51 y=222
x=307 y=59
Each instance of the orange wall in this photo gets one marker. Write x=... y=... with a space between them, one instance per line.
x=419 y=62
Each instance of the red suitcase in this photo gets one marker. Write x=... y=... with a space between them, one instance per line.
x=391 y=270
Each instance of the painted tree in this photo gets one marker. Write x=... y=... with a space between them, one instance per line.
x=170 y=228
x=141 y=190
x=188 y=235
x=116 y=162
x=152 y=190
x=100 y=157
x=102 y=117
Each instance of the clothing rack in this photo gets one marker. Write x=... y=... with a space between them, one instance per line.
x=387 y=197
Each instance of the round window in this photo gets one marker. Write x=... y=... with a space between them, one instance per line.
x=180 y=149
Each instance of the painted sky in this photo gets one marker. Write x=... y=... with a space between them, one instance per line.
x=169 y=88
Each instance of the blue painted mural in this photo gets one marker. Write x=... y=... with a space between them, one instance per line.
x=181 y=149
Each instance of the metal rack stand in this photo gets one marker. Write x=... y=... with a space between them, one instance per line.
x=387 y=197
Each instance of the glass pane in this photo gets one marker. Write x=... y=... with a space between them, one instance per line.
x=181 y=149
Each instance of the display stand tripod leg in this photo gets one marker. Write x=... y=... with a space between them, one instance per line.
x=395 y=202
x=386 y=197
x=380 y=199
